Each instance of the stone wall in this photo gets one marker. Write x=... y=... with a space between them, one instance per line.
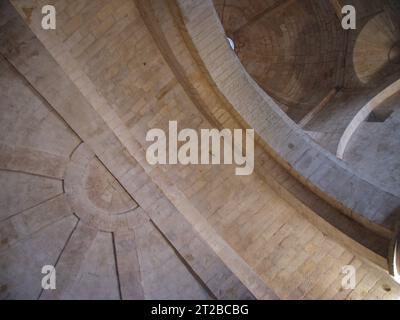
x=111 y=80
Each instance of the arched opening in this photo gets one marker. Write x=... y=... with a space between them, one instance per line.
x=231 y=43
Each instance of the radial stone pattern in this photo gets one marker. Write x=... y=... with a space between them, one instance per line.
x=394 y=54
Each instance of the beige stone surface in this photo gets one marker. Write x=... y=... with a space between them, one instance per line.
x=116 y=227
